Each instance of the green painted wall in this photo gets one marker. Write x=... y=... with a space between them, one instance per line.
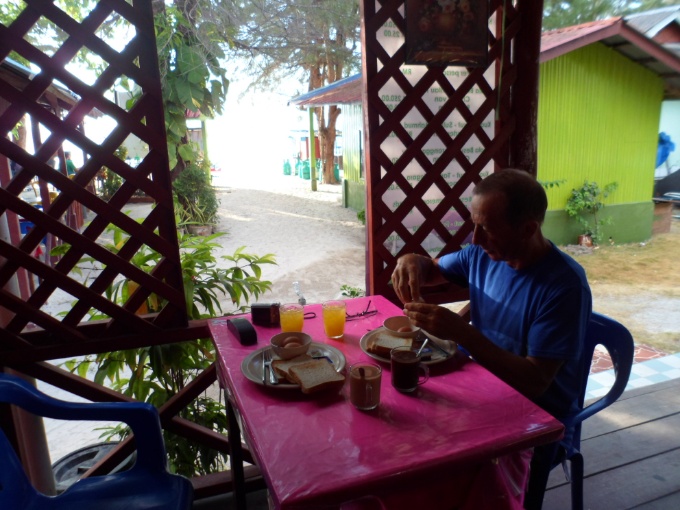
x=629 y=223
x=598 y=119
x=352 y=141
x=354 y=195
x=354 y=190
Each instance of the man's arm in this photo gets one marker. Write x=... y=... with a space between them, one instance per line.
x=529 y=375
x=413 y=272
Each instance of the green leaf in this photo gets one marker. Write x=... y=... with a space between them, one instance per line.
x=186 y=152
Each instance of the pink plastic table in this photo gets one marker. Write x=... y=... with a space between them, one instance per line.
x=319 y=451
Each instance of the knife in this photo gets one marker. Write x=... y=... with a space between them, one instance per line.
x=434 y=344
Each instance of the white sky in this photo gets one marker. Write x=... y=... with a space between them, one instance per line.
x=254 y=129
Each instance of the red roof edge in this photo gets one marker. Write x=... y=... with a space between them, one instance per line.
x=565 y=40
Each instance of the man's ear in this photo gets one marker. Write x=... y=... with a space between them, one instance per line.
x=529 y=228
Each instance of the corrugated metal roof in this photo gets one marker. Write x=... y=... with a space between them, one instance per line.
x=618 y=35
x=345 y=91
x=564 y=40
x=652 y=22
x=63 y=94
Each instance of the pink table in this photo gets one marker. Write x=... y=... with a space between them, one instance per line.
x=319 y=451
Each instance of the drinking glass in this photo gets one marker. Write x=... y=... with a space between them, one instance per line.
x=291 y=316
x=334 y=317
x=407 y=369
x=364 y=385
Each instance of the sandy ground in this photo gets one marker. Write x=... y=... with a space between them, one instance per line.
x=317 y=242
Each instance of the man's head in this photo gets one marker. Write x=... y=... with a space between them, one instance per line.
x=525 y=198
x=67 y=155
x=508 y=208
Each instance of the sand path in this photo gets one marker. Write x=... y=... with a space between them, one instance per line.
x=316 y=241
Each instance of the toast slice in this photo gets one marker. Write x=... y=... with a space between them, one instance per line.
x=282 y=366
x=382 y=345
x=316 y=375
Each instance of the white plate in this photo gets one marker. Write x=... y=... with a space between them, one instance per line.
x=252 y=365
x=436 y=356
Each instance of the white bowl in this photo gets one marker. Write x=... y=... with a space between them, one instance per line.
x=290 y=344
x=398 y=325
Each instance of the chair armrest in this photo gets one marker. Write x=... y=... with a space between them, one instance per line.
x=140 y=416
x=622 y=373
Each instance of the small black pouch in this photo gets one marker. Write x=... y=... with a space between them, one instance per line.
x=243 y=331
x=265 y=314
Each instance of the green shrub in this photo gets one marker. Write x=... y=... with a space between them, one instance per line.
x=585 y=203
x=154 y=374
x=196 y=196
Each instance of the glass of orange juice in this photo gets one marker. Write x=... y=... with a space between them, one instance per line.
x=291 y=316
x=334 y=318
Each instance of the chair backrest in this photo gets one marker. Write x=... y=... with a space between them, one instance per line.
x=619 y=343
x=147 y=484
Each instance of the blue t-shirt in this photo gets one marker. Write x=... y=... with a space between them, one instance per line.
x=540 y=311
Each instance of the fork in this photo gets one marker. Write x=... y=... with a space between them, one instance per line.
x=267 y=365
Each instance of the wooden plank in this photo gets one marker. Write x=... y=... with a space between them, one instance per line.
x=664 y=503
x=635 y=407
x=625 y=446
x=627 y=487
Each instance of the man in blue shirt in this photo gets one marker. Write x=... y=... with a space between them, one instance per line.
x=530 y=302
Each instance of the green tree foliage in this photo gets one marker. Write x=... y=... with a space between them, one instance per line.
x=559 y=13
x=314 y=40
x=193 y=80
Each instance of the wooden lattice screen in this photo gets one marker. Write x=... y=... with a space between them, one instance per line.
x=433 y=132
x=28 y=332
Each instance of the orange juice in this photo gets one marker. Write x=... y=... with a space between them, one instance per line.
x=291 y=317
x=334 y=318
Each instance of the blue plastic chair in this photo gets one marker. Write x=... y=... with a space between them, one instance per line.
x=619 y=343
x=146 y=485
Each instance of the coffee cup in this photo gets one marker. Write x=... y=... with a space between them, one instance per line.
x=364 y=385
x=407 y=370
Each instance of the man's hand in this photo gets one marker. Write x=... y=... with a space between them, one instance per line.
x=436 y=320
x=409 y=275
x=529 y=375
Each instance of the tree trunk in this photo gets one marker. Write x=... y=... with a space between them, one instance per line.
x=320 y=74
x=328 y=146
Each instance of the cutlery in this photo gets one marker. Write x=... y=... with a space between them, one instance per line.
x=434 y=344
x=422 y=346
x=267 y=365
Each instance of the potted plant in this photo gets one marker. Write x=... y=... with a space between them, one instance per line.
x=584 y=204
x=200 y=219
x=196 y=199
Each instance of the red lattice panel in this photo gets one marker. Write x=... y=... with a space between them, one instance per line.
x=432 y=133
x=56 y=100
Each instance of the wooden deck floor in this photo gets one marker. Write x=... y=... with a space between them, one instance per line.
x=631 y=452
